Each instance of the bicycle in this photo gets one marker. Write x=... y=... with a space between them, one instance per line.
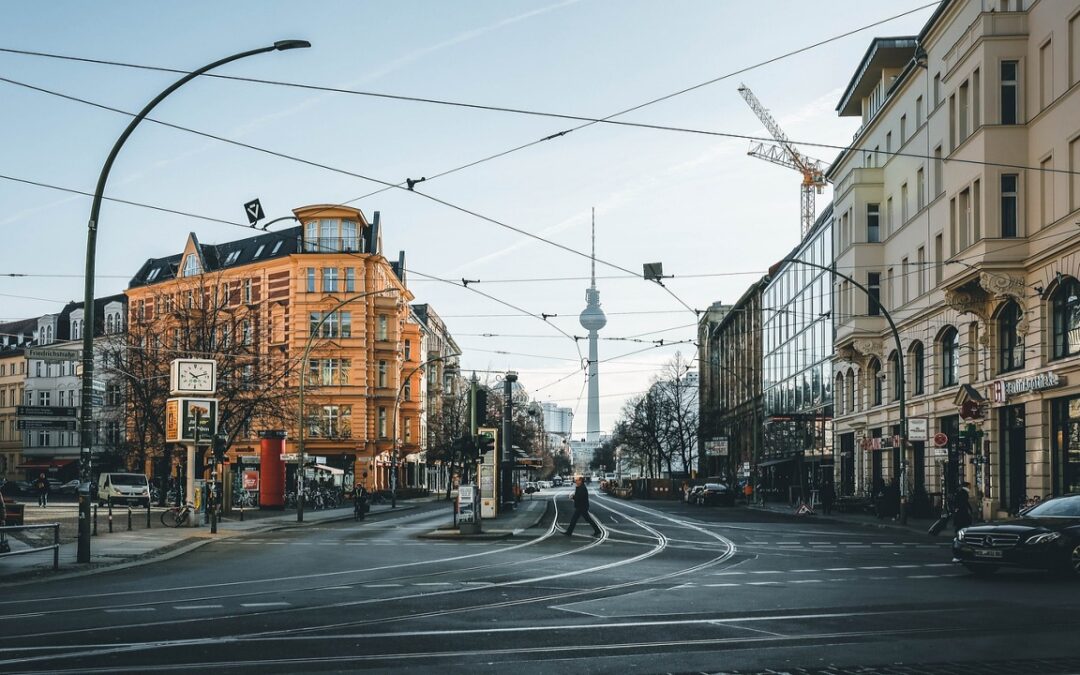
x=360 y=507
x=177 y=515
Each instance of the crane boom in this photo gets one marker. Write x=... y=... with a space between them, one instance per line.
x=784 y=153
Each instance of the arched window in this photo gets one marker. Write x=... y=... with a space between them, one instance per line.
x=191 y=265
x=109 y=324
x=873 y=376
x=894 y=375
x=950 y=357
x=918 y=368
x=1065 y=321
x=840 y=392
x=853 y=403
x=1010 y=345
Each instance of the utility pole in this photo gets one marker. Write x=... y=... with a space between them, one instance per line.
x=505 y=462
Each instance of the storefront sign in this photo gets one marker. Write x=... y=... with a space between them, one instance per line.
x=1001 y=390
x=251 y=480
x=917 y=429
x=717 y=447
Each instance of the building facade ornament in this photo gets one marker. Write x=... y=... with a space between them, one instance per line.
x=966 y=300
x=868 y=347
x=1006 y=287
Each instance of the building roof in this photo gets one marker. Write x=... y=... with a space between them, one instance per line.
x=883 y=52
x=216 y=257
x=14 y=335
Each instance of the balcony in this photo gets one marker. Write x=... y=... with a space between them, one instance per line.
x=857 y=177
x=859 y=326
x=994 y=253
x=333 y=245
x=988 y=24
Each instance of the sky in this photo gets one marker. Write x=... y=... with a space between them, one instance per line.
x=715 y=218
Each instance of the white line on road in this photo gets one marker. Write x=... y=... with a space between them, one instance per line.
x=130 y=609
x=382 y=585
x=264 y=604
x=193 y=607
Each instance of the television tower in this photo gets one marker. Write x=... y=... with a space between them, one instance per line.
x=592 y=320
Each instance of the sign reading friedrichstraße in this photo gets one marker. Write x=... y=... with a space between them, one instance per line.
x=45 y=354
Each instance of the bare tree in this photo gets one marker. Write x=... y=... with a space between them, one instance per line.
x=681 y=411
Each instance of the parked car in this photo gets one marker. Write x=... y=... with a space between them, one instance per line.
x=716 y=493
x=123 y=488
x=531 y=487
x=1046 y=537
x=693 y=494
x=69 y=488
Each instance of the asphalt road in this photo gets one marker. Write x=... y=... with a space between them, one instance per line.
x=667 y=588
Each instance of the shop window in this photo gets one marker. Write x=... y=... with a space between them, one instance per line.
x=950 y=357
x=894 y=375
x=1065 y=320
x=873 y=374
x=1010 y=344
x=918 y=368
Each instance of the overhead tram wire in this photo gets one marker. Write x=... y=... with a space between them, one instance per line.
x=326 y=167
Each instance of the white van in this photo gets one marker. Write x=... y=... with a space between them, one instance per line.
x=123 y=488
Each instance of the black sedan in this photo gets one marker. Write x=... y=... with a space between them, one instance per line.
x=716 y=493
x=1045 y=537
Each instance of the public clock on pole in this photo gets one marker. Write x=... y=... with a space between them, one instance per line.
x=193 y=376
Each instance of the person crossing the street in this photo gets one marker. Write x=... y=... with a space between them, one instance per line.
x=581 y=508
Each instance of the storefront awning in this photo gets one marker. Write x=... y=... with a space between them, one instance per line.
x=329 y=469
x=44 y=464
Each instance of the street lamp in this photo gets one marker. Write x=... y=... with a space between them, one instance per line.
x=86 y=409
x=900 y=471
x=394 y=422
x=302 y=422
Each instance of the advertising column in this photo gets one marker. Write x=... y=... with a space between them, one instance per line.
x=271 y=470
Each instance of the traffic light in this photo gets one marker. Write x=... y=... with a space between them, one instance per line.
x=486 y=440
x=481 y=406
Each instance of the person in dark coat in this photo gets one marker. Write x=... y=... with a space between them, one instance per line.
x=41 y=485
x=581 y=508
x=828 y=496
x=962 y=508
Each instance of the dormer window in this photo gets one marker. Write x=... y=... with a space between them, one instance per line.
x=232 y=257
x=277 y=247
x=258 y=251
x=191 y=265
x=153 y=274
x=327 y=235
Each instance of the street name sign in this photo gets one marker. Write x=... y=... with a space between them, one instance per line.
x=44 y=411
x=59 y=425
x=54 y=355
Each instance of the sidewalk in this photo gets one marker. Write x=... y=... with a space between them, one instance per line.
x=122 y=548
x=917 y=526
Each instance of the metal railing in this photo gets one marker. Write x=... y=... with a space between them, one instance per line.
x=55 y=546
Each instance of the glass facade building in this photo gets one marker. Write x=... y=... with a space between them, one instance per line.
x=797 y=333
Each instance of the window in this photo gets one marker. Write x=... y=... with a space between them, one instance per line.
x=894 y=375
x=224 y=294
x=346 y=324
x=112 y=394
x=976 y=102
x=248 y=283
x=1046 y=74
x=350 y=280
x=153 y=274
x=939 y=258
x=903 y=129
x=408 y=389
x=952 y=122
x=873 y=284
x=258 y=251
x=382 y=331
x=382 y=374
x=962 y=111
x=328 y=231
x=888 y=143
x=1065 y=322
x=918 y=112
x=348 y=236
x=873 y=217
x=890 y=218
x=920 y=189
x=191 y=265
x=873 y=373
x=950 y=357
x=277 y=247
x=231 y=258
x=920 y=269
x=918 y=368
x=1008 y=205
x=1046 y=190
x=1010 y=342
x=245 y=332
x=903 y=204
x=1009 y=97
x=963 y=215
x=937 y=90
x=1074 y=49
x=311 y=280
x=408 y=350
x=331 y=420
x=904 y=272
x=939 y=172
x=329 y=280
x=890 y=286
x=382 y=423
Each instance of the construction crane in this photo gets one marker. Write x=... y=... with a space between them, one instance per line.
x=784 y=153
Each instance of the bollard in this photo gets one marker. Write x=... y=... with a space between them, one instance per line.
x=148 y=514
x=56 y=547
x=129 y=517
x=94 y=533
x=110 y=515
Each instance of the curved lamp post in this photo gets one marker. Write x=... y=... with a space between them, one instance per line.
x=86 y=415
x=303 y=379
x=393 y=437
x=899 y=471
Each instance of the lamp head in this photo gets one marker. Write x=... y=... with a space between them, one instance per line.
x=282 y=45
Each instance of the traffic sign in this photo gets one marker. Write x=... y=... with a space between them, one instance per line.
x=61 y=425
x=44 y=411
x=941 y=440
x=54 y=355
x=254 y=212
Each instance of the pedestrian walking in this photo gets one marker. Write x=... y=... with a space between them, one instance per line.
x=828 y=496
x=581 y=508
x=42 y=487
x=962 y=516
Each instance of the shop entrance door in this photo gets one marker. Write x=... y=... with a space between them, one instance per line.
x=1013 y=458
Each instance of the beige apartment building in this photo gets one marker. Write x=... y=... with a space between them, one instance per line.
x=956 y=207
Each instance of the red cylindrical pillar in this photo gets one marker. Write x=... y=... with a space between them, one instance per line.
x=271 y=470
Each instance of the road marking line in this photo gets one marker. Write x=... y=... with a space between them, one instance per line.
x=874 y=567
x=923 y=576
x=722 y=585
x=382 y=585
x=189 y=607
x=789 y=543
x=938 y=565
x=859 y=546
x=904 y=567
x=725 y=574
x=264 y=604
x=847 y=543
x=804 y=571
x=763 y=583
x=806 y=581
x=434 y=583
x=130 y=609
x=277 y=543
x=839 y=569
x=335 y=588
x=766 y=572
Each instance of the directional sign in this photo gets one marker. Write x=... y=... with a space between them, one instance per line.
x=254 y=212
x=61 y=425
x=44 y=411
